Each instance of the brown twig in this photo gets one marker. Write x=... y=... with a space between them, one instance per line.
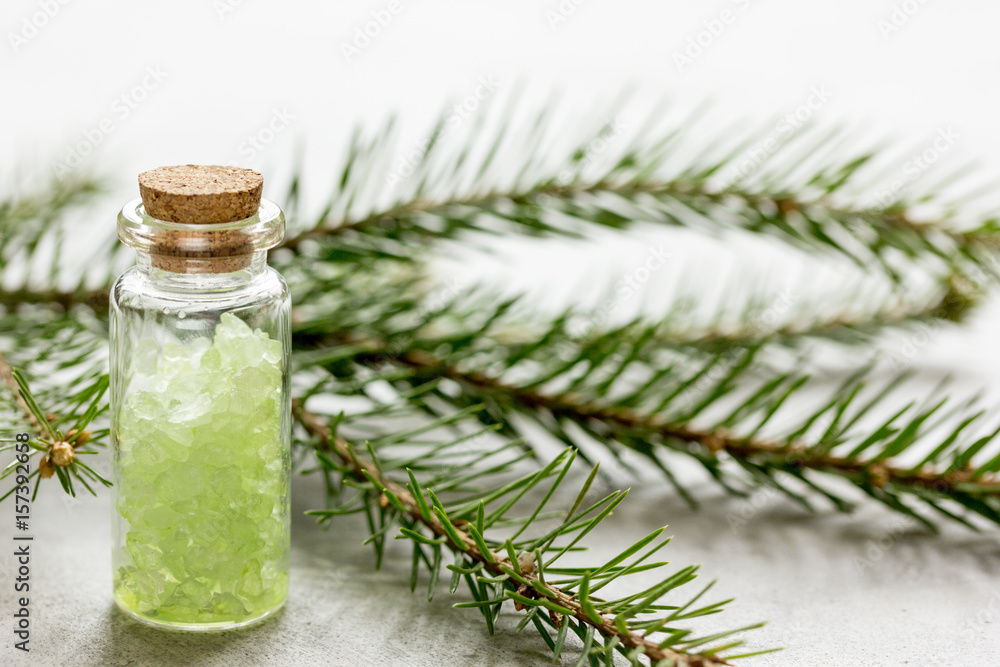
x=6 y=372
x=786 y=205
x=417 y=206
x=60 y=453
x=952 y=306
x=800 y=456
x=495 y=563
x=96 y=299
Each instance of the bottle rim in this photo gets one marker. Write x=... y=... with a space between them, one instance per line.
x=144 y=233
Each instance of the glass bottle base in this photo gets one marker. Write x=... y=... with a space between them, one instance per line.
x=181 y=626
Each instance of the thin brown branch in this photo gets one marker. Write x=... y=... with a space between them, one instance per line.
x=325 y=228
x=496 y=563
x=95 y=299
x=795 y=455
x=952 y=306
x=784 y=204
x=7 y=373
x=98 y=299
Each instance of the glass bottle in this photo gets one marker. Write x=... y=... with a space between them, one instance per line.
x=200 y=405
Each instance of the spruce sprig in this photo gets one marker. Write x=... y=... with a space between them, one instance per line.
x=57 y=450
x=693 y=405
x=439 y=516
x=637 y=178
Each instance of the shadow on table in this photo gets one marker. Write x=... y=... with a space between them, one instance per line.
x=772 y=526
x=133 y=643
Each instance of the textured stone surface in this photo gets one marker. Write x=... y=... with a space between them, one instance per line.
x=916 y=604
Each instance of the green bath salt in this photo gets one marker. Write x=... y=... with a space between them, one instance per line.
x=202 y=472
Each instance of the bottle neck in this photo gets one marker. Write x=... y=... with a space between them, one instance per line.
x=201 y=274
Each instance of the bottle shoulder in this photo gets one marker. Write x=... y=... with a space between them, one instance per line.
x=276 y=279
x=135 y=289
x=127 y=285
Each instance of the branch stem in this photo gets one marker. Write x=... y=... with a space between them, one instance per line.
x=792 y=455
x=495 y=563
x=95 y=299
x=7 y=373
x=630 y=188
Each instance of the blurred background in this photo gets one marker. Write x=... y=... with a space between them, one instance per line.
x=112 y=88
x=116 y=88
x=243 y=81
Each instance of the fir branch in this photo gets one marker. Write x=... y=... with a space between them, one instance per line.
x=947 y=473
x=386 y=306
x=792 y=456
x=7 y=373
x=521 y=575
x=59 y=452
x=399 y=215
x=95 y=299
x=28 y=220
x=529 y=203
x=636 y=183
x=27 y=217
x=853 y=323
x=67 y=359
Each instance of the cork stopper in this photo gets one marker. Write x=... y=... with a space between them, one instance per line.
x=195 y=194
x=201 y=194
